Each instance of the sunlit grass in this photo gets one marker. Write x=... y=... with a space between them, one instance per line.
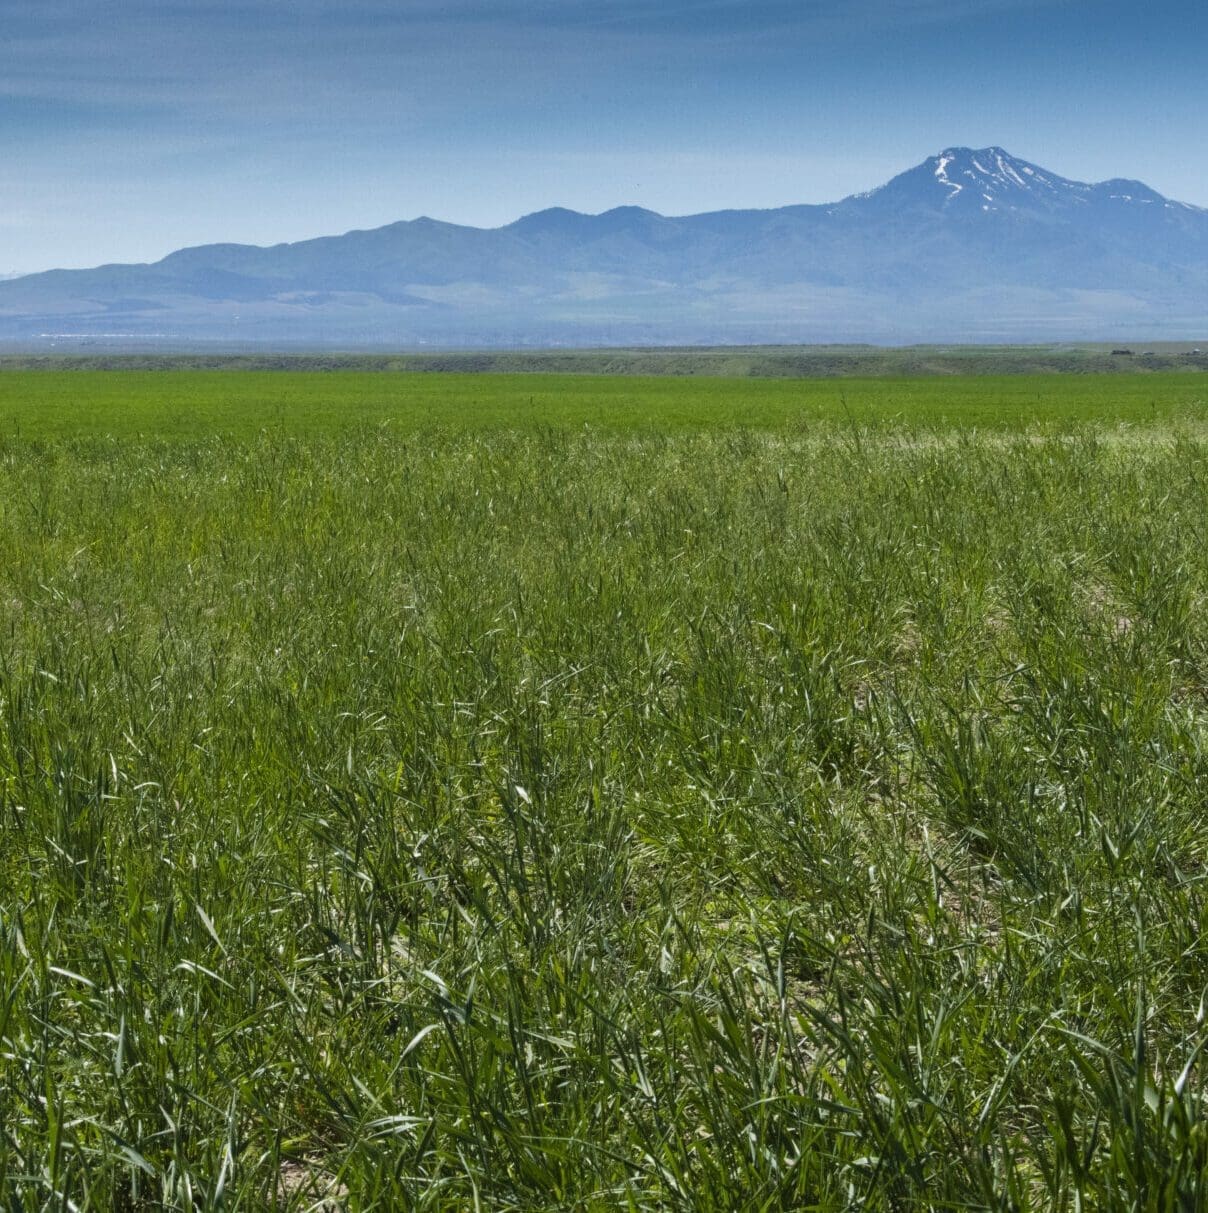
x=559 y=817
x=194 y=405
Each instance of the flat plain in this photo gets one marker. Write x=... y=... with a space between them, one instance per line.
x=573 y=792
x=175 y=404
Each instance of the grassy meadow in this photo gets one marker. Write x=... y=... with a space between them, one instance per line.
x=193 y=405
x=571 y=793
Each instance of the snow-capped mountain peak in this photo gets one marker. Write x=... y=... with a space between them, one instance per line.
x=991 y=179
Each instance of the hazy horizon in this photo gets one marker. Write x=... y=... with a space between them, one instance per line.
x=129 y=134
x=8 y=275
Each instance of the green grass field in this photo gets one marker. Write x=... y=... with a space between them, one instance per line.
x=557 y=793
x=193 y=405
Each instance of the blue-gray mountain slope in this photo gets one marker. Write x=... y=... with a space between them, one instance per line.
x=972 y=245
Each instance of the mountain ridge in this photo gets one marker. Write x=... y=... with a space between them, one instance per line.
x=972 y=244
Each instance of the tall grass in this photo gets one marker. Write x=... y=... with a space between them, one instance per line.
x=578 y=820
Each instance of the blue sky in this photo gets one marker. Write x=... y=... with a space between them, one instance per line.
x=131 y=128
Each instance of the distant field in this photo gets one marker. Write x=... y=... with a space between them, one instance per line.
x=563 y=793
x=195 y=404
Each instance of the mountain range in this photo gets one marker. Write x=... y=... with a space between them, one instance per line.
x=970 y=245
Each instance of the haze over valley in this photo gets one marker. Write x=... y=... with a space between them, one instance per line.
x=969 y=245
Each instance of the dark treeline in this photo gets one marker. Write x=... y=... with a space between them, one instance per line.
x=774 y=362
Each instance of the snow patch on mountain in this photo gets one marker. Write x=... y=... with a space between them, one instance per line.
x=997 y=180
x=941 y=175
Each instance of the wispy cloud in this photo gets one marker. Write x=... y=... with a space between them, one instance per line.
x=369 y=68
